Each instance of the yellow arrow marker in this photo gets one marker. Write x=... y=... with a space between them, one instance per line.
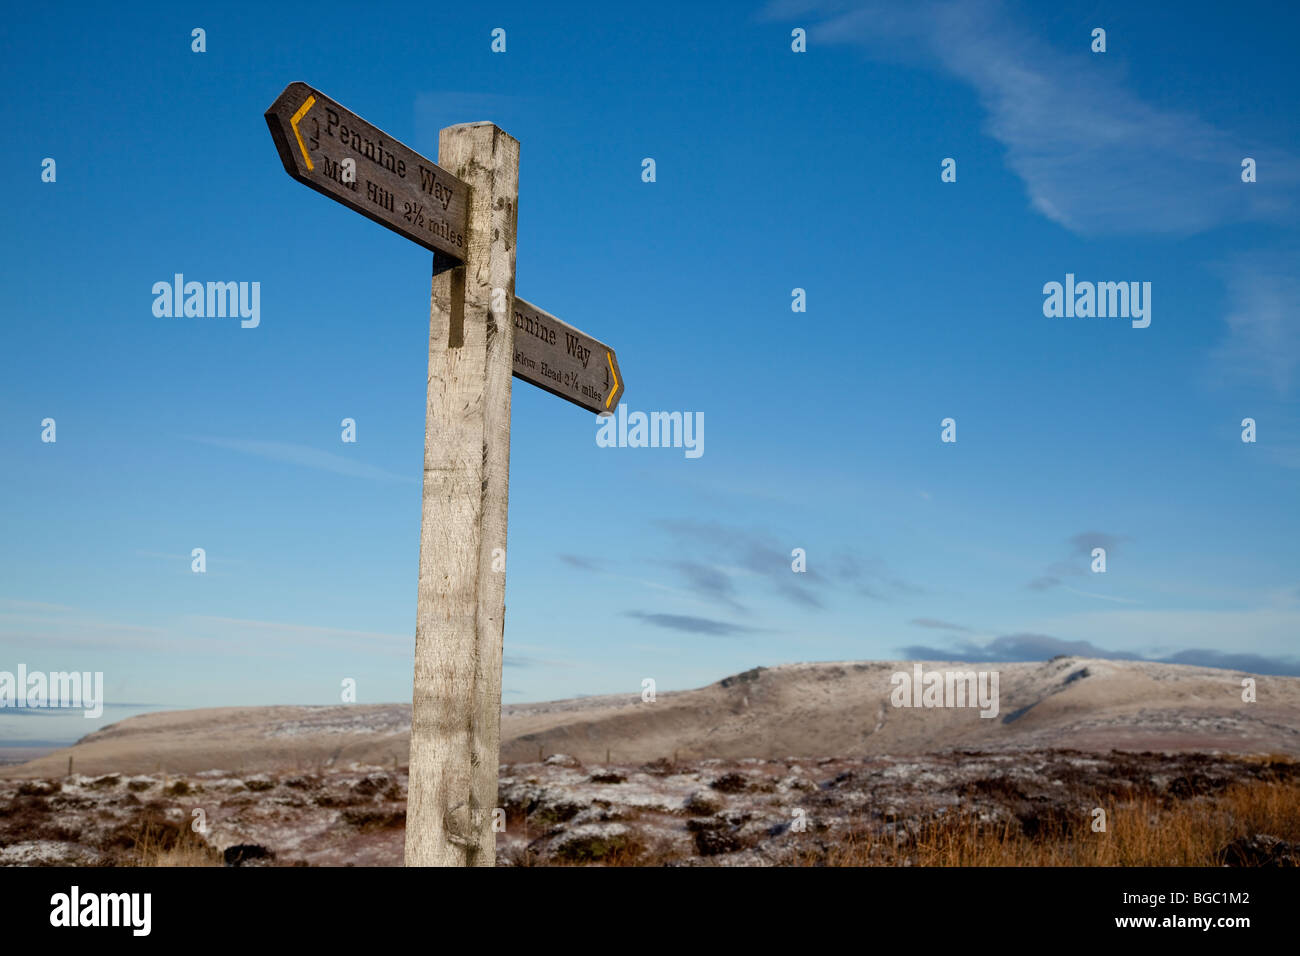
x=609 y=357
x=297 y=117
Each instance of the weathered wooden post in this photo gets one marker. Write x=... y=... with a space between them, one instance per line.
x=465 y=209
x=460 y=613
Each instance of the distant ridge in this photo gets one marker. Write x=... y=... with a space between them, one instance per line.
x=799 y=710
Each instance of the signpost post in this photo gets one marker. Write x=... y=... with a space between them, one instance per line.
x=464 y=209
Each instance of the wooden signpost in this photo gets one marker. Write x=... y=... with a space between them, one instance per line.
x=557 y=357
x=336 y=152
x=465 y=209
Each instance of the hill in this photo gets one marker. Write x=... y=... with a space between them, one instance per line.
x=792 y=710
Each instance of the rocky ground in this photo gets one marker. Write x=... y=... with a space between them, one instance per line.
x=707 y=812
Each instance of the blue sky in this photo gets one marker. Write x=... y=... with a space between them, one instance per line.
x=775 y=170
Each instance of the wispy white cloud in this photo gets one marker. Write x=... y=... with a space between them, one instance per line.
x=1100 y=597
x=1093 y=155
x=15 y=604
x=28 y=626
x=31 y=627
x=313 y=635
x=1263 y=339
x=1097 y=158
x=306 y=457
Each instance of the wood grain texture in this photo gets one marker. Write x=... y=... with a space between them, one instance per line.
x=460 y=617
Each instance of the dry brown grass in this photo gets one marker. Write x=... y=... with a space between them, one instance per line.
x=1144 y=832
x=163 y=843
x=187 y=855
